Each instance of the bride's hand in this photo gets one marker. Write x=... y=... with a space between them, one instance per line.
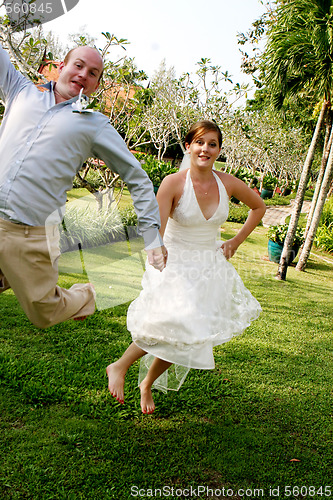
x=229 y=248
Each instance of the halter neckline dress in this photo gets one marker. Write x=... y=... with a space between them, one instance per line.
x=197 y=302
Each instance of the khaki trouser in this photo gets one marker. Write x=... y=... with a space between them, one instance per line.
x=28 y=264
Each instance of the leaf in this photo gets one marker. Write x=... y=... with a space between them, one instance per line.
x=294 y=460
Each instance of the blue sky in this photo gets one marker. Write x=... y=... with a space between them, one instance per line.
x=179 y=31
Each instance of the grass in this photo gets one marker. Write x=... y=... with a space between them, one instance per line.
x=241 y=426
x=78 y=193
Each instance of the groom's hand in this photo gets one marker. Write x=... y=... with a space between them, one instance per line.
x=157 y=257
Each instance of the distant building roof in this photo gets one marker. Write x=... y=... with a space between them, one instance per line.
x=49 y=69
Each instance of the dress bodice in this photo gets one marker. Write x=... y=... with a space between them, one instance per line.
x=188 y=224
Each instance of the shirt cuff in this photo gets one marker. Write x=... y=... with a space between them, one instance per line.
x=152 y=238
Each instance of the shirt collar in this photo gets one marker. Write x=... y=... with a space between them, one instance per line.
x=50 y=87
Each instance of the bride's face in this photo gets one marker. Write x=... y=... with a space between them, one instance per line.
x=204 y=150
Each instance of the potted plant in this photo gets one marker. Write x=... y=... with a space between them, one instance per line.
x=268 y=184
x=276 y=236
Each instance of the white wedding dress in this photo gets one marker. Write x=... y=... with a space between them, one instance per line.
x=197 y=302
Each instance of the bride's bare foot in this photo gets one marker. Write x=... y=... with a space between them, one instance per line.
x=116 y=381
x=147 y=402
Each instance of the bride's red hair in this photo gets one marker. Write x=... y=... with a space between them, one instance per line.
x=200 y=128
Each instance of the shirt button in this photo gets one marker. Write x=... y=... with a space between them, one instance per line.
x=17 y=161
x=28 y=143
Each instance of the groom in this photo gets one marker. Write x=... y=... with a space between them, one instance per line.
x=43 y=143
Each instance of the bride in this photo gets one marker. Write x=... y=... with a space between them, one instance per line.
x=198 y=301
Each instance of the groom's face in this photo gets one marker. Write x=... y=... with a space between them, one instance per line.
x=82 y=70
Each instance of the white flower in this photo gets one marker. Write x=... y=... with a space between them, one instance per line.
x=80 y=105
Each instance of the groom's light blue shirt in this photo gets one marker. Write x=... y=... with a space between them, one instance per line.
x=44 y=144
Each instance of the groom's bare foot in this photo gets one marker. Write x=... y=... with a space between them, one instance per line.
x=116 y=382
x=147 y=402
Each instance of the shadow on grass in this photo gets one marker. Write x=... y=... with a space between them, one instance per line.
x=317 y=266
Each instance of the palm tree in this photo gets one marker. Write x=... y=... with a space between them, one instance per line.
x=298 y=61
x=320 y=201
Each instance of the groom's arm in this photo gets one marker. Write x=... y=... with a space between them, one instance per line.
x=111 y=148
x=11 y=80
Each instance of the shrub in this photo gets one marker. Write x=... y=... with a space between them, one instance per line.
x=269 y=182
x=89 y=227
x=128 y=216
x=244 y=174
x=278 y=200
x=92 y=177
x=324 y=235
x=237 y=213
x=155 y=169
x=324 y=238
x=327 y=215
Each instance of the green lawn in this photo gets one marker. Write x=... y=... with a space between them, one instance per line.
x=79 y=193
x=262 y=419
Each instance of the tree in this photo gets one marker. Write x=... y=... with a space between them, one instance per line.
x=122 y=96
x=178 y=102
x=261 y=141
x=297 y=60
x=26 y=49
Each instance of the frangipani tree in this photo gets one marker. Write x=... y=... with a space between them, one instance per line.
x=264 y=143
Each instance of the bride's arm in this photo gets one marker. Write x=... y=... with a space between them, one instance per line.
x=243 y=193
x=165 y=198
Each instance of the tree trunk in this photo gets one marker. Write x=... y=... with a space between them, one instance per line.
x=330 y=192
x=326 y=152
x=288 y=243
x=317 y=214
x=99 y=199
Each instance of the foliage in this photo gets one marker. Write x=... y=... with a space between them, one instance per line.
x=128 y=216
x=262 y=143
x=324 y=238
x=269 y=182
x=251 y=40
x=155 y=169
x=237 y=213
x=327 y=214
x=208 y=93
x=278 y=234
x=92 y=177
x=244 y=174
x=27 y=49
x=324 y=235
x=278 y=200
x=298 y=53
x=89 y=227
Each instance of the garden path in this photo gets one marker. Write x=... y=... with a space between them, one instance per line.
x=278 y=214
